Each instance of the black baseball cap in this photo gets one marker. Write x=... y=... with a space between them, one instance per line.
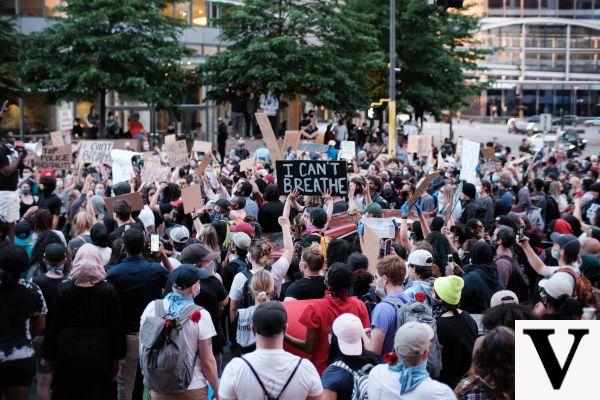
x=55 y=253
x=269 y=319
x=567 y=242
x=318 y=217
x=185 y=276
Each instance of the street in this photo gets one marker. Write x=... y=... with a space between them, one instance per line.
x=483 y=133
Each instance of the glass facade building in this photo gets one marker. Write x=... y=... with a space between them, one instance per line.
x=546 y=57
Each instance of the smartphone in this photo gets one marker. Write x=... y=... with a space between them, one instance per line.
x=450 y=258
x=520 y=231
x=388 y=247
x=154 y=243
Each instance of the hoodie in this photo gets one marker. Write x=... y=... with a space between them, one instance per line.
x=526 y=208
x=481 y=280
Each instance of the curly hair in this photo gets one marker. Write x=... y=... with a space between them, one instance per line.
x=260 y=252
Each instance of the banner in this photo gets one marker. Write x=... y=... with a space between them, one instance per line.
x=177 y=154
x=191 y=197
x=469 y=161
x=291 y=140
x=420 y=144
x=312 y=177
x=122 y=169
x=65 y=123
x=95 y=152
x=55 y=157
x=347 y=150
x=269 y=136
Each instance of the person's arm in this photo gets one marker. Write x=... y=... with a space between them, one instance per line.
x=154 y=202
x=11 y=168
x=288 y=242
x=536 y=263
x=164 y=259
x=424 y=225
x=38 y=323
x=288 y=203
x=404 y=228
x=327 y=198
x=327 y=395
x=577 y=209
x=374 y=343
x=234 y=305
x=351 y=202
x=308 y=345
x=208 y=363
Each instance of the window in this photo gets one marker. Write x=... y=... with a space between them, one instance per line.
x=34 y=8
x=530 y=4
x=583 y=4
x=495 y=3
x=210 y=50
x=199 y=13
x=182 y=11
x=565 y=4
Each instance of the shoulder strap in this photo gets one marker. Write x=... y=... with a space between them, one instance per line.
x=290 y=378
x=257 y=378
x=398 y=304
x=342 y=365
x=184 y=313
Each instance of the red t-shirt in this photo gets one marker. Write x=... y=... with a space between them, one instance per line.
x=321 y=314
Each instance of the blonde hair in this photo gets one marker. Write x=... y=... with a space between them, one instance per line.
x=82 y=223
x=208 y=236
x=260 y=251
x=261 y=285
x=555 y=189
x=313 y=257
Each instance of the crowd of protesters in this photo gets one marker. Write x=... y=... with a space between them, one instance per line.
x=87 y=298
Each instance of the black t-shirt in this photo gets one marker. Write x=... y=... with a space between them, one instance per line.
x=7 y=157
x=230 y=270
x=457 y=336
x=118 y=232
x=268 y=216
x=50 y=202
x=48 y=286
x=307 y=288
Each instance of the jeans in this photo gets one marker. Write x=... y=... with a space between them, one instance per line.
x=250 y=126
x=237 y=121
x=126 y=379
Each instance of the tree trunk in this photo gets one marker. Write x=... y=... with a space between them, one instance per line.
x=102 y=101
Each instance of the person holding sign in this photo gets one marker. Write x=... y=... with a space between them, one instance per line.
x=10 y=161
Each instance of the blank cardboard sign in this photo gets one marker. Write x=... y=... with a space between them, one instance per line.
x=269 y=136
x=192 y=198
x=134 y=199
x=371 y=243
x=202 y=147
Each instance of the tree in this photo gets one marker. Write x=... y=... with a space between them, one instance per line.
x=126 y=46
x=436 y=52
x=9 y=45
x=318 y=49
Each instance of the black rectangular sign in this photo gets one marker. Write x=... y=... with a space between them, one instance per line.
x=312 y=177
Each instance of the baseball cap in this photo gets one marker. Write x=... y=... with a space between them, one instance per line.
x=241 y=240
x=567 y=242
x=185 y=276
x=558 y=284
x=197 y=252
x=318 y=217
x=412 y=339
x=55 y=253
x=179 y=233
x=374 y=208
x=23 y=233
x=243 y=227
x=503 y=297
x=348 y=329
x=269 y=319
x=420 y=257
x=331 y=143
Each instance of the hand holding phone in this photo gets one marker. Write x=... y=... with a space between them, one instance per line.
x=154 y=243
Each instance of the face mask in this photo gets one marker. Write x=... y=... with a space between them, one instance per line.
x=447 y=175
x=59 y=184
x=26 y=191
x=555 y=253
x=26 y=175
x=379 y=290
x=98 y=192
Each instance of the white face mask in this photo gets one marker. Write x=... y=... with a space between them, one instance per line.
x=379 y=290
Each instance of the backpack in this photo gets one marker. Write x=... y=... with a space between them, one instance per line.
x=420 y=313
x=267 y=394
x=517 y=281
x=360 y=379
x=247 y=299
x=164 y=359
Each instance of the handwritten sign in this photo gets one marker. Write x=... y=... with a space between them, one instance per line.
x=55 y=157
x=347 y=150
x=269 y=136
x=134 y=199
x=420 y=144
x=384 y=228
x=122 y=170
x=202 y=147
x=421 y=188
x=291 y=140
x=312 y=177
x=192 y=198
x=95 y=152
x=247 y=164
x=57 y=138
x=170 y=139
x=177 y=154
x=455 y=200
x=487 y=167
x=469 y=161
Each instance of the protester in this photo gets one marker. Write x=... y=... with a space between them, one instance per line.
x=312 y=285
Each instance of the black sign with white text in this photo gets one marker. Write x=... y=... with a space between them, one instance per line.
x=312 y=177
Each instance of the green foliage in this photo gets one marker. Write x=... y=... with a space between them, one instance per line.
x=103 y=45
x=435 y=50
x=320 y=49
x=9 y=49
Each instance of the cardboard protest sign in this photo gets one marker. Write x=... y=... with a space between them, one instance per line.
x=519 y=160
x=383 y=227
x=312 y=177
x=177 y=154
x=55 y=157
x=192 y=198
x=170 y=139
x=57 y=138
x=203 y=164
x=127 y=144
x=420 y=144
x=291 y=140
x=247 y=164
x=370 y=248
x=134 y=199
x=65 y=124
x=487 y=167
x=313 y=147
x=455 y=200
x=269 y=136
x=421 y=188
x=488 y=153
x=469 y=161
x=347 y=150
x=202 y=147
x=122 y=169
x=95 y=152
x=153 y=174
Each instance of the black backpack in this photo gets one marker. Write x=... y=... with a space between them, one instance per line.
x=517 y=280
x=247 y=300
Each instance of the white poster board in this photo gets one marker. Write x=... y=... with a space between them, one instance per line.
x=347 y=150
x=469 y=161
x=122 y=170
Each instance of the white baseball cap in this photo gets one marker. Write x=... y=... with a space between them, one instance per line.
x=558 y=284
x=348 y=329
x=420 y=257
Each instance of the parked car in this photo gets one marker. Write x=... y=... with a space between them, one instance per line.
x=566 y=120
x=568 y=139
x=524 y=126
x=593 y=121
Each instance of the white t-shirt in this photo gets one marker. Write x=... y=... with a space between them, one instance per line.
x=278 y=271
x=147 y=217
x=193 y=333
x=273 y=367
x=385 y=385
x=244 y=335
